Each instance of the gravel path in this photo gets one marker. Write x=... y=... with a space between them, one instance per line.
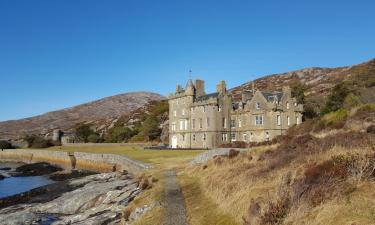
x=176 y=211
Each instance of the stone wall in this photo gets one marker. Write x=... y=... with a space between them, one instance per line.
x=76 y=160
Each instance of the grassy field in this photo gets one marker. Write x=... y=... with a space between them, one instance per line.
x=161 y=159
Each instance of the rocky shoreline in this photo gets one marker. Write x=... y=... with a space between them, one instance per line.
x=77 y=197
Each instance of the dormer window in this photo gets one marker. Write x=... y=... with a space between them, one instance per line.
x=257 y=105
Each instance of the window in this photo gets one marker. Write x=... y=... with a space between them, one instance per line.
x=297 y=120
x=173 y=126
x=259 y=120
x=193 y=137
x=200 y=123
x=225 y=122
x=182 y=125
x=287 y=105
x=224 y=137
x=251 y=136
x=232 y=123
x=175 y=113
x=192 y=110
x=193 y=123
x=278 y=118
x=244 y=137
x=186 y=124
x=267 y=136
x=208 y=122
x=233 y=136
x=239 y=123
x=183 y=137
x=295 y=104
x=219 y=108
x=288 y=119
x=183 y=112
x=257 y=105
x=204 y=137
x=204 y=109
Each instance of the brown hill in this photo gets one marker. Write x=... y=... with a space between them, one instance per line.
x=96 y=112
x=318 y=81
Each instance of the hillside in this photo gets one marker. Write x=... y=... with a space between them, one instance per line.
x=97 y=112
x=318 y=81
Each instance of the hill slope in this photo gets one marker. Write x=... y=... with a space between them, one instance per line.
x=94 y=112
x=318 y=81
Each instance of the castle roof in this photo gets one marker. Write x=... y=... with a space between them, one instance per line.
x=270 y=96
x=208 y=96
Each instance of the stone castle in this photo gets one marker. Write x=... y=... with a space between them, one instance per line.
x=200 y=120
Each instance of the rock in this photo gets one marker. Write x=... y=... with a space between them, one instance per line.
x=96 y=199
x=5 y=168
x=36 y=169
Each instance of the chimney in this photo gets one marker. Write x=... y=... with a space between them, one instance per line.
x=199 y=88
x=221 y=87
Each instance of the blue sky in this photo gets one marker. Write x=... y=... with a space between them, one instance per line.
x=56 y=54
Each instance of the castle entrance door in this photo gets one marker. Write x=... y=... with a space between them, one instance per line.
x=174 y=141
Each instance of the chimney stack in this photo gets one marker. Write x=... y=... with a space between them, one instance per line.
x=199 y=88
x=221 y=87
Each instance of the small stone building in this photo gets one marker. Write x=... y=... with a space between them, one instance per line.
x=200 y=120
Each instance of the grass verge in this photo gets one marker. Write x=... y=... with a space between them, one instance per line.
x=200 y=209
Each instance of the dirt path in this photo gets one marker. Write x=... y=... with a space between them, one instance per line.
x=175 y=204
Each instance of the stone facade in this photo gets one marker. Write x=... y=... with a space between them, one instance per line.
x=200 y=120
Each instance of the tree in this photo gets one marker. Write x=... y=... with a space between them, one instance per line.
x=337 y=97
x=83 y=131
x=298 y=91
x=150 y=128
x=5 y=145
x=94 y=138
x=119 y=133
x=35 y=141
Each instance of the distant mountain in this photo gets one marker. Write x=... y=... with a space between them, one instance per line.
x=318 y=81
x=96 y=112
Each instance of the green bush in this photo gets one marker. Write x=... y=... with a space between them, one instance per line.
x=335 y=118
x=83 y=131
x=5 y=145
x=337 y=97
x=34 y=141
x=118 y=134
x=351 y=101
x=94 y=138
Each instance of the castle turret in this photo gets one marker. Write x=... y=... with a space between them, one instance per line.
x=190 y=88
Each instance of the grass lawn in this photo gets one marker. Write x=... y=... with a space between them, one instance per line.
x=161 y=159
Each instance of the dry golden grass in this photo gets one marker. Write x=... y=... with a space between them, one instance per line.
x=201 y=210
x=232 y=183
x=148 y=197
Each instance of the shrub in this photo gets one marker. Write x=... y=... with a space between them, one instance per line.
x=83 y=131
x=94 y=138
x=119 y=133
x=337 y=97
x=5 y=145
x=335 y=119
x=351 y=101
x=37 y=142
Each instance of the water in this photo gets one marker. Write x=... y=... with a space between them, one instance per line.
x=14 y=185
